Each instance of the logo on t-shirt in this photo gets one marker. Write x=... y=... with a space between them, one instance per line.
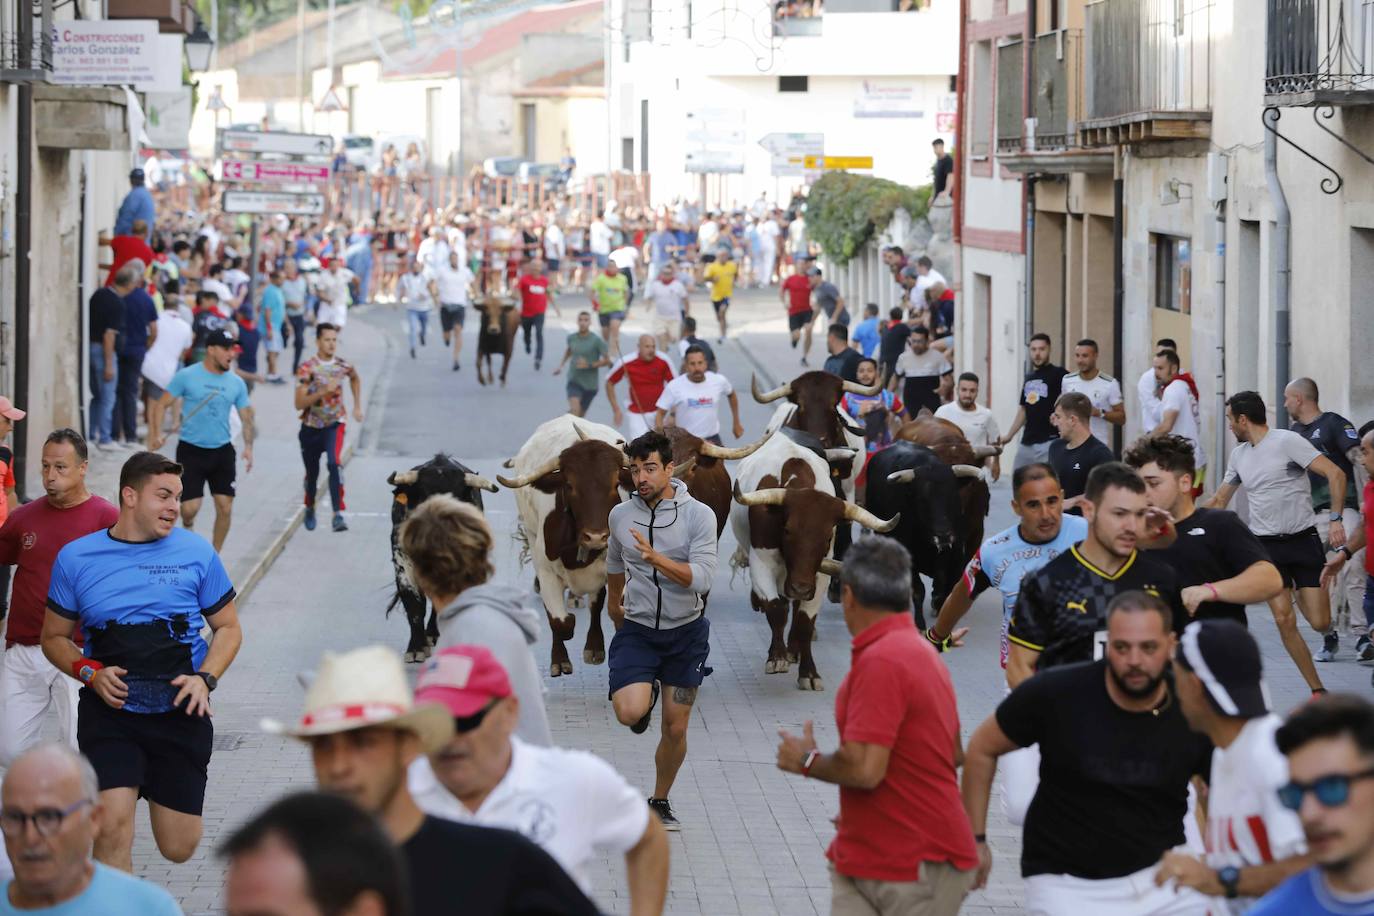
x=1197 y=531
x=1035 y=390
x=28 y=540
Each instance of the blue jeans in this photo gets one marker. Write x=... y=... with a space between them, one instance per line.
x=128 y=374
x=327 y=441
x=417 y=322
x=102 y=396
x=297 y=323
x=535 y=322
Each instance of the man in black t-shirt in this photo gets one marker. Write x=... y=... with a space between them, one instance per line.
x=843 y=359
x=107 y=326
x=1077 y=451
x=1118 y=757
x=1039 y=393
x=1220 y=564
x=892 y=343
x=364 y=731
x=943 y=168
x=1061 y=613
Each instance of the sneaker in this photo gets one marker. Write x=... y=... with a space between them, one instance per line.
x=456 y=366
x=1330 y=643
x=309 y=518
x=339 y=523
x=412 y=352
x=110 y=446
x=1364 y=649
x=642 y=725
x=664 y=811
x=536 y=365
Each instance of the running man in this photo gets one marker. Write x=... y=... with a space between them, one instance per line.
x=454 y=280
x=721 y=274
x=319 y=398
x=610 y=295
x=588 y=354
x=536 y=295
x=654 y=598
x=205 y=449
x=647 y=373
x=795 y=295
x=693 y=400
x=1266 y=463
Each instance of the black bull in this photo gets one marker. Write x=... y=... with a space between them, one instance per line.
x=440 y=474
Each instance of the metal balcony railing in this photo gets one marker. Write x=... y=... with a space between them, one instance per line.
x=25 y=46
x=1319 y=51
x=1011 y=124
x=1147 y=57
x=1057 y=74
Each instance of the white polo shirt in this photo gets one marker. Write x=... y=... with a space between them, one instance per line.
x=571 y=803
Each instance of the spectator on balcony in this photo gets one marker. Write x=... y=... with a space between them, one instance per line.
x=137 y=204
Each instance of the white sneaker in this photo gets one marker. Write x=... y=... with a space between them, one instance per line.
x=108 y=446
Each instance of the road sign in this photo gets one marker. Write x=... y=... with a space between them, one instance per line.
x=715 y=162
x=715 y=140
x=832 y=163
x=330 y=102
x=273 y=202
x=258 y=141
x=273 y=172
x=790 y=152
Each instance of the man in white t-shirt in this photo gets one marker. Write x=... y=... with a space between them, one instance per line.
x=416 y=290
x=1102 y=391
x=668 y=296
x=599 y=240
x=571 y=803
x=1147 y=389
x=926 y=277
x=434 y=249
x=333 y=286
x=1178 y=412
x=694 y=400
x=454 y=281
x=555 y=250
x=626 y=259
x=977 y=421
x=1253 y=842
x=920 y=369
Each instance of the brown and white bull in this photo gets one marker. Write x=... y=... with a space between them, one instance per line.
x=440 y=474
x=784 y=523
x=496 y=334
x=814 y=407
x=567 y=477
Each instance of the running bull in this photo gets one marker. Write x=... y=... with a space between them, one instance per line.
x=440 y=474
x=495 y=335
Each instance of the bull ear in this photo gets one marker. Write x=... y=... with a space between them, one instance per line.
x=627 y=482
x=551 y=482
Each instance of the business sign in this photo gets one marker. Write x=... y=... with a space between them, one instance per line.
x=168 y=123
x=258 y=141
x=833 y=163
x=789 y=151
x=273 y=172
x=272 y=202
x=875 y=101
x=103 y=52
x=947 y=115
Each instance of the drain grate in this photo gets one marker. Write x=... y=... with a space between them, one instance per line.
x=227 y=741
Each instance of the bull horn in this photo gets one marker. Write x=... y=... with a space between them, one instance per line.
x=478 y=482
x=508 y=463
x=711 y=450
x=831 y=567
x=524 y=480
x=966 y=470
x=861 y=515
x=682 y=470
x=403 y=478
x=866 y=390
x=906 y=475
x=839 y=454
x=982 y=452
x=580 y=434
x=763 y=397
x=771 y=496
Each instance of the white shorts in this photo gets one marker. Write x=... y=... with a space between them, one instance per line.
x=1133 y=895
x=336 y=315
x=637 y=424
x=37 y=703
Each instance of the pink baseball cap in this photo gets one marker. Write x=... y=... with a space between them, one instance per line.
x=463 y=679
x=7 y=409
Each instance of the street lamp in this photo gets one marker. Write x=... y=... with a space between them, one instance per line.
x=199 y=47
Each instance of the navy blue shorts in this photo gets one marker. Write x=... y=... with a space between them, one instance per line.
x=677 y=657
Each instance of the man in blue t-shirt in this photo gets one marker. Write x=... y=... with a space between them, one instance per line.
x=210 y=390
x=141 y=592
x=271 y=317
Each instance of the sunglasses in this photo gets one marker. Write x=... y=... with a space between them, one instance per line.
x=1331 y=791
x=464 y=724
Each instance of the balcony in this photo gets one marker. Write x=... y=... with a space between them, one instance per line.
x=1319 y=52
x=1149 y=71
x=1048 y=144
x=25 y=46
x=1011 y=123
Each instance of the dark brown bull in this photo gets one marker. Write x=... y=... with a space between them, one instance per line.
x=817 y=395
x=947 y=441
x=701 y=465
x=496 y=334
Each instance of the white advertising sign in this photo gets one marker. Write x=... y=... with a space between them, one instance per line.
x=256 y=141
x=169 y=118
x=274 y=172
x=877 y=101
x=715 y=162
x=273 y=202
x=100 y=52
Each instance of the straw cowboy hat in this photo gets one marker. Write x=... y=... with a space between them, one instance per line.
x=363 y=688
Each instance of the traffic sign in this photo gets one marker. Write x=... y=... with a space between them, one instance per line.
x=259 y=141
x=291 y=204
x=790 y=152
x=273 y=172
x=330 y=102
x=832 y=163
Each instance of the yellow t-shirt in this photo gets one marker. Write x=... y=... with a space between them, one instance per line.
x=721 y=276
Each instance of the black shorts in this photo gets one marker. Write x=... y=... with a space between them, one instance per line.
x=165 y=755
x=1298 y=556
x=676 y=657
x=795 y=322
x=451 y=316
x=215 y=466
x=574 y=390
x=720 y=305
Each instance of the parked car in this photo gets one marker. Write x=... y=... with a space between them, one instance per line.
x=503 y=166
x=358 y=150
x=549 y=174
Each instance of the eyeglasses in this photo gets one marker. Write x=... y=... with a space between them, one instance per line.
x=45 y=820
x=1332 y=791
x=465 y=724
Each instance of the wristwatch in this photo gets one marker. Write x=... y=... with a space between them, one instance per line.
x=1230 y=881
x=210 y=680
x=1335 y=516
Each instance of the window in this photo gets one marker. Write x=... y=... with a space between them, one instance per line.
x=792 y=83
x=627 y=153
x=980 y=113
x=1174 y=274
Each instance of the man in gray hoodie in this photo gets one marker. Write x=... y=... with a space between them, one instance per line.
x=660 y=561
x=448 y=544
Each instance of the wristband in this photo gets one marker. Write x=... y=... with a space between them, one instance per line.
x=980 y=838
x=1345 y=550
x=941 y=643
x=1213 y=589
x=84 y=669
x=807 y=763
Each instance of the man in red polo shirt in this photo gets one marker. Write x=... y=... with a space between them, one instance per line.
x=535 y=299
x=32 y=691
x=127 y=247
x=795 y=293
x=903 y=844
x=648 y=372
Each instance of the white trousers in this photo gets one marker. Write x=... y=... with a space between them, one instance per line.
x=637 y=424
x=37 y=702
x=1133 y=895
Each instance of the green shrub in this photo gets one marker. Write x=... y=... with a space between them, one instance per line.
x=844 y=210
